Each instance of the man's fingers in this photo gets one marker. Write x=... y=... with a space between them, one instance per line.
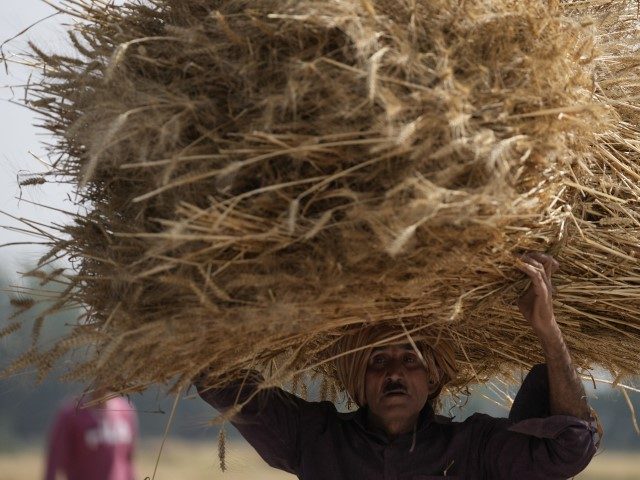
x=533 y=272
x=539 y=266
x=551 y=265
x=536 y=272
x=536 y=261
x=546 y=276
x=547 y=262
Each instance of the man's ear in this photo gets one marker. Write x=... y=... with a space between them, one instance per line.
x=363 y=399
x=435 y=394
x=436 y=383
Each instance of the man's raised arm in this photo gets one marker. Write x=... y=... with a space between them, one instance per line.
x=269 y=418
x=566 y=392
x=546 y=447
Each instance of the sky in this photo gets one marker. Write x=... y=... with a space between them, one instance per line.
x=20 y=139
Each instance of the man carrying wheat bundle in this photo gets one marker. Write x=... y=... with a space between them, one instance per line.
x=260 y=178
x=395 y=434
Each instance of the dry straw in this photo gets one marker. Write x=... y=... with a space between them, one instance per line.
x=261 y=176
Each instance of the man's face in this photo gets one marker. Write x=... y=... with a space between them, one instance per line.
x=396 y=382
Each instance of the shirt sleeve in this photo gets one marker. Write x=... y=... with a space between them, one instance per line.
x=555 y=447
x=532 y=400
x=269 y=418
x=59 y=445
x=532 y=444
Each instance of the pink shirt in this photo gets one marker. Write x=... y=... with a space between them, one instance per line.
x=94 y=443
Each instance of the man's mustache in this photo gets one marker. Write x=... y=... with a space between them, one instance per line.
x=394 y=387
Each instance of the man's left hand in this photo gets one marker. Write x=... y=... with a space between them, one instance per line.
x=536 y=304
x=566 y=392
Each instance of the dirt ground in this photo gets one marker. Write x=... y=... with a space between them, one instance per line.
x=199 y=461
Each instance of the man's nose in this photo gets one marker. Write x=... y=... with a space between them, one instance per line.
x=395 y=369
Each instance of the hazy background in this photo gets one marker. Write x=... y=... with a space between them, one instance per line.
x=26 y=409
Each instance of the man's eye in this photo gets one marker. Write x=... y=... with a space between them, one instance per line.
x=410 y=359
x=379 y=360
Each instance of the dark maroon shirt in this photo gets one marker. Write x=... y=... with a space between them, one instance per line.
x=316 y=442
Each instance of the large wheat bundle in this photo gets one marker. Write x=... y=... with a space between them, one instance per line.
x=258 y=177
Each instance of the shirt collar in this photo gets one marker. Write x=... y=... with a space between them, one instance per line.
x=359 y=417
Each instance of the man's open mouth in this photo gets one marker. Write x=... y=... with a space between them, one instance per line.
x=394 y=392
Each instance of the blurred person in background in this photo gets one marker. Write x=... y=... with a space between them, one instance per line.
x=93 y=439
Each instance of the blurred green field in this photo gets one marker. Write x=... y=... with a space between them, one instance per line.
x=199 y=461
